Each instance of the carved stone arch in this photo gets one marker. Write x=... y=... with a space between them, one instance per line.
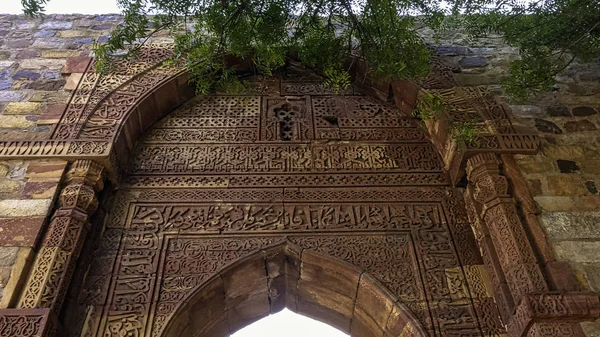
x=307 y=282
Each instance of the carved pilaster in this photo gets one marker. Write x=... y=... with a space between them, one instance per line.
x=56 y=259
x=509 y=255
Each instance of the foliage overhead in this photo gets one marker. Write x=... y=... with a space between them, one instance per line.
x=321 y=33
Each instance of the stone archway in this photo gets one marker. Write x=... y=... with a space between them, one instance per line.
x=305 y=281
x=391 y=194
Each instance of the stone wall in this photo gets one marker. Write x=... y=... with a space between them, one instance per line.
x=41 y=62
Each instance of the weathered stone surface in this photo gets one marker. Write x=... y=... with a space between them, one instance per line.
x=42 y=63
x=45 y=33
x=21 y=43
x=73 y=81
x=582 y=111
x=571 y=225
x=10 y=188
x=555 y=203
x=564 y=152
x=18 y=122
x=8 y=255
x=11 y=96
x=558 y=111
x=76 y=65
x=60 y=54
x=26 y=74
x=56 y=25
x=547 y=126
x=22 y=108
x=18 y=208
x=578 y=251
x=39 y=190
x=45 y=171
x=472 y=61
x=5 y=84
x=51 y=114
x=21 y=232
x=580 y=126
x=451 y=50
x=565 y=185
x=526 y=111
x=50 y=43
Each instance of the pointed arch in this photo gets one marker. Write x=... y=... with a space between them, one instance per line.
x=307 y=282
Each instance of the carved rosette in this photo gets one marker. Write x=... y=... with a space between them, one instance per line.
x=63 y=241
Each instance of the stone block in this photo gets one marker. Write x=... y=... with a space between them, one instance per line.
x=558 y=111
x=472 y=61
x=19 y=208
x=526 y=111
x=452 y=50
x=8 y=255
x=547 y=126
x=572 y=152
x=11 y=96
x=76 y=65
x=27 y=54
x=373 y=306
x=571 y=225
x=51 y=114
x=555 y=203
x=21 y=232
x=6 y=64
x=41 y=63
x=85 y=40
x=48 y=85
x=51 y=97
x=568 y=185
x=578 y=251
x=15 y=122
x=45 y=171
x=25 y=25
x=73 y=81
x=10 y=188
x=26 y=74
x=50 y=43
x=56 y=25
x=45 y=33
x=579 y=126
x=23 y=108
x=60 y=54
x=77 y=33
x=4 y=55
x=5 y=84
x=18 y=43
x=39 y=190
x=583 y=111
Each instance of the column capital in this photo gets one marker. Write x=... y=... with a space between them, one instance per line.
x=88 y=172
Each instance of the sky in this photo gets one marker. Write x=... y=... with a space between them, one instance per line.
x=65 y=7
x=289 y=324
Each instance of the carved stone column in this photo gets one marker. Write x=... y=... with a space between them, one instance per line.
x=56 y=259
x=509 y=255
